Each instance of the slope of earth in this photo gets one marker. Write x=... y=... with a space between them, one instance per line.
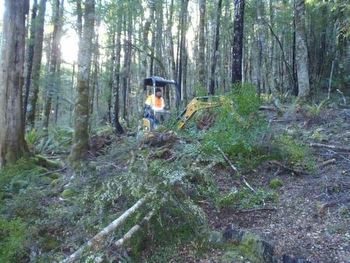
x=311 y=219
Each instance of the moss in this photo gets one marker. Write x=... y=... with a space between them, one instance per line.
x=12 y=238
x=54 y=175
x=245 y=198
x=49 y=243
x=250 y=248
x=50 y=164
x=275 y=183
x=67 y=193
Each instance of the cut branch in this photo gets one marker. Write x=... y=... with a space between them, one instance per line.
x=296 y=172
x=227 y=160
x=135 y=229
x=235 y=169
x=334 y=147
x=96 y=241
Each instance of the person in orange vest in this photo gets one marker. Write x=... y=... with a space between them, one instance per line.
x=156 y=101
x=153 y=104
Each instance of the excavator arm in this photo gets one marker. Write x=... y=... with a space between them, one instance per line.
x=198 y=103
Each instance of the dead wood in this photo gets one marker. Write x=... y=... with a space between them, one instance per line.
x=234 y=169
x=334 y=147
x=323 y=207
x=96 y=242
x=268 y=108
x=327 y=162
x=294 y=171
x=257 y=209
x=98 y=143
x=158 y=139
x=134 y=229
x=206 y=121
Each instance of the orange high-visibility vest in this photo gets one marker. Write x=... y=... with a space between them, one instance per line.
x=155 y=102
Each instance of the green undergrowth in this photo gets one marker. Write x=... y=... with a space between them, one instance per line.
x=244 y=198
x=24 y=186
x=239 y=129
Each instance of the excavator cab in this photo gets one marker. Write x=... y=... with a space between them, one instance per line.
x=152 y=117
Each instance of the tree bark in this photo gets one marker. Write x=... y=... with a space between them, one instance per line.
x=12 y=142
x=116 y=80
x=237 y=51
x=216 y=50
x=81 y=126
x=53 y=82
x=30 y=55
x=201 y=44
x=35 y=71
x=302 y=63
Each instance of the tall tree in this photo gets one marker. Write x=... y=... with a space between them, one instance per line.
x=54 y=64
x=30 y=55
x=301 y=53
x=12 y=142
x=201 y=44
x=237 y=49
x=36 y=64
x=216 y=50
x=81 y=136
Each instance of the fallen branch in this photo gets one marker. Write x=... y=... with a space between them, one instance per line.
x=96 y=241
x=333 y=203
x=134 y=229
x=268 y=108
x=256 y=209
x=296 y=172
x=330 y=161
x=227 y=160
x=235 y=169
x=334 y=147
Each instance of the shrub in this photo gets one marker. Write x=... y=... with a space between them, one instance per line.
x=275 y=183
x=12 y=238
x=239 y=129
x=244 y=198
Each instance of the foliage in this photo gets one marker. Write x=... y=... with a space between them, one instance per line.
x=244 y=198
x=239 y=129
x=275 y=183
x=55 y=140
x=12 y=239
x=294 y=152
x=315 y=110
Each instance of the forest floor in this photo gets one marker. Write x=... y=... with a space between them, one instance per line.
x=311 y=219
x=303 y=214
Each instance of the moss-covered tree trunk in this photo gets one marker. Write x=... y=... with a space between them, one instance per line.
x=81 y=136
x=12 y=143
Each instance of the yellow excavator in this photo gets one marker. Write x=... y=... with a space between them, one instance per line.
x=152 y=118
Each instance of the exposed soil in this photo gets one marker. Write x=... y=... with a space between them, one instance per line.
x=311 y=220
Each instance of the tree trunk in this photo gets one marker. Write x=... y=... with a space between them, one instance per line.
x=81 y=126
x=302 y=64
x=216 y=50
x=127 y=66
x=182 y=47
x=53 y=82
x=201 y=44
x=12 y=142
x=30 y=55
x=116 y=80
x=35 y=72
x=237 y=50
